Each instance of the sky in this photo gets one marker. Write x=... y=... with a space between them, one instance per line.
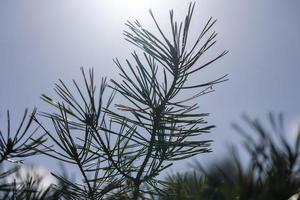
x=42 y=41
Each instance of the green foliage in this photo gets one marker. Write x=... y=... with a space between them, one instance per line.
x=163 y=125
x=78 y=139
x=272 y=173
x=21 y=144
x=120 y=150
x=14 y=147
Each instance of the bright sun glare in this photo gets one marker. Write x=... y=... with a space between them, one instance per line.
x=133 y=6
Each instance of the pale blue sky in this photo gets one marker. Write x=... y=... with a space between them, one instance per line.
x=43 y=40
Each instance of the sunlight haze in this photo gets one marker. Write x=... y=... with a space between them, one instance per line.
x=42 y=41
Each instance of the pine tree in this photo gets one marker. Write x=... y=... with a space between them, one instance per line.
x=120 y=148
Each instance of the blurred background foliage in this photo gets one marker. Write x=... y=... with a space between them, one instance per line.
x=271 y=173
x=120 y=155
